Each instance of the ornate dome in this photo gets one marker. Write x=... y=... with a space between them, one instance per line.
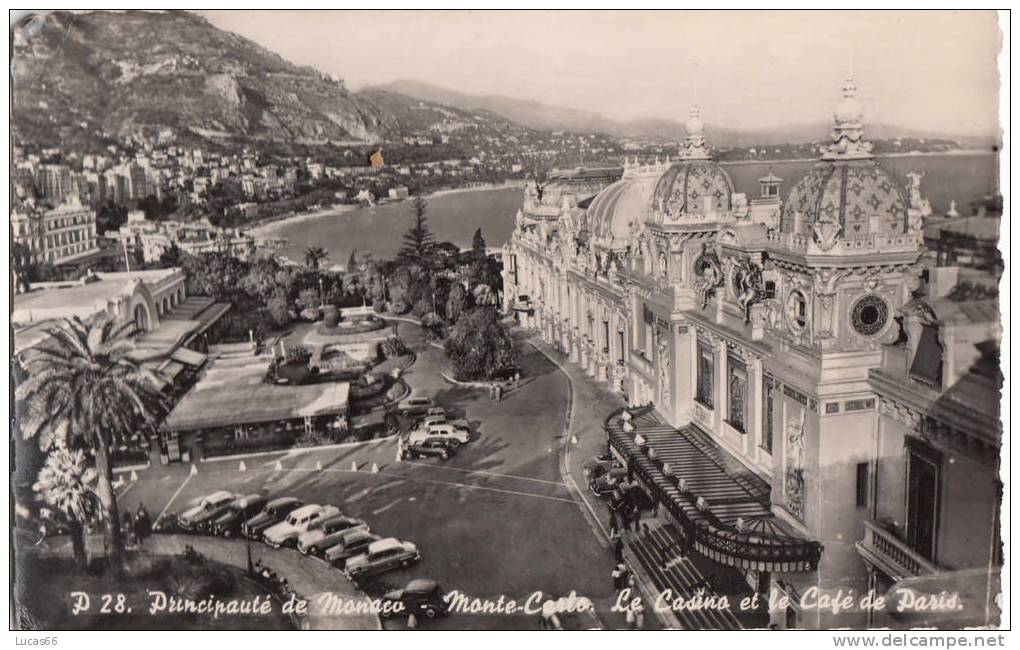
x=694 y=187
x=617 y=209
x=857 y=196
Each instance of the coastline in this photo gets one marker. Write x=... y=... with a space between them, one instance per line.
x=898 y=154
x=268 y=229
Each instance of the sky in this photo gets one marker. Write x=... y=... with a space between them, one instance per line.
x=755 y=69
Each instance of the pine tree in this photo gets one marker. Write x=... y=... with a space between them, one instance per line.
x=419 y=241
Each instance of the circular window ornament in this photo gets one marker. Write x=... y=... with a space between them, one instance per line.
x=796 y=310
x=869 y=315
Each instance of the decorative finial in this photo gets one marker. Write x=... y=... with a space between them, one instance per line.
x=695 y=148
x=847 y=130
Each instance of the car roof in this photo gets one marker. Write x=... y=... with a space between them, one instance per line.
x=303 y=511
x=221 y=495
x=337 y=518
x=421 y=585
x=385 y=544
x=282 y=501
x=249 y=499
x=352 y=534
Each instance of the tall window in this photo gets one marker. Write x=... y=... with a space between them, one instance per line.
x=862 y=485
x=706 y=375
x=737 y=393
x=768 y=392
x=923 y=486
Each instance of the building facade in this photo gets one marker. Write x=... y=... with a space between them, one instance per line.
x=751 y=325
x=56 y=235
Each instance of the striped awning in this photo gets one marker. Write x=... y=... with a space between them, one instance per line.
x=722 y=514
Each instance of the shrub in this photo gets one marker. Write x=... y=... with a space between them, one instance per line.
x=330 y=316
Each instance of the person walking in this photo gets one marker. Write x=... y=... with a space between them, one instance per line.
x=618 y=549
x=143 y=525
x=128 y=528
x=499 y=393
x=400 y=449
x=618 y=577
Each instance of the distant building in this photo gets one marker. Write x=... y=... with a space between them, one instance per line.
x=56 y=236
x=54 y=183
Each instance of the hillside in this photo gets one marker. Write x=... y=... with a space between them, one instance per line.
x=541 y=116
x=80 y=78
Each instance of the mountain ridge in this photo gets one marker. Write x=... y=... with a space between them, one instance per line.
x=537 y=115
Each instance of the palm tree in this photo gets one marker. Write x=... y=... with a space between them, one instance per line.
x=314 y=256
x=67 y=484
x=86 y=390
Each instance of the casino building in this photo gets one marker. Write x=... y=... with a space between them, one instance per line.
x=798 y=357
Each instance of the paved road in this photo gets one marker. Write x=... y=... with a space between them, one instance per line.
x=495 y=520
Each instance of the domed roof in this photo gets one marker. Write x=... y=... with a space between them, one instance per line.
x=858 y=195
x=613 y=210
x=694 y=187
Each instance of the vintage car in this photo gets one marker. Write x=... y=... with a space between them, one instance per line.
x=605 y=484
x=456 y=435
x=328 y=534
x=209 y=507
x=353 y=541
x=299 y=521
x=415 y=406
x=431 y=448
x=383 y=555
x=420 y=597
x=229 y=522
x=272 y=514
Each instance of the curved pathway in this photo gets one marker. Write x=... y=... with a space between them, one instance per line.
x=310 y=577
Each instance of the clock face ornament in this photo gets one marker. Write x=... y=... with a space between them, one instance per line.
x=869 y=315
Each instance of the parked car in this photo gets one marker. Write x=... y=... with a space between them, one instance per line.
x=229 y=522
x=434 y=420
x=384 y=555
x=436 y=411
x=421 y=597
x=353 y=541
x=299 y=521
x=209 y=507
x=328 y=534
x=456 y=435
x=596 y=467
x=415 y=406
x=609 y=481
x=431 y=448
x=272 y=514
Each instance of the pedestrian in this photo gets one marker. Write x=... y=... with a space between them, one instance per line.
x=400 y=449
x=614 y=526
x=412 y=621
x=499 y=394
x=618 y=548
x=492 y=391
x=145 y=519
x=128 y=528
x=517 y=378
x=618 y=578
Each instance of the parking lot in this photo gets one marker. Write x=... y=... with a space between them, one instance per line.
x=494 y=520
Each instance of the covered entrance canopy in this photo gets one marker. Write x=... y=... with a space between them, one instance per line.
x=721 y=511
